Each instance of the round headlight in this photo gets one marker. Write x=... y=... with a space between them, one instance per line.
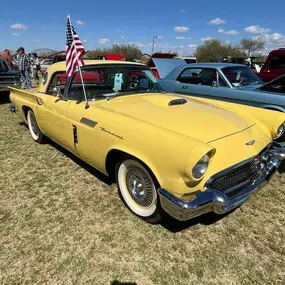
x=280 y=131
x=201 y=167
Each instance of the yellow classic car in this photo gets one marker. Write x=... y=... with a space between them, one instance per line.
x=186 y=156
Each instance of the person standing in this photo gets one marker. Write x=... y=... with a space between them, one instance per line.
x=7 y=57
x=36 y=68
x=24 y=65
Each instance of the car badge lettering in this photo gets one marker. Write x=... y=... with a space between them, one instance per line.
x=111 y=133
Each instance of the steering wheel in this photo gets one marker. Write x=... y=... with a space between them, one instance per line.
x=132 y=84
x=243 y=81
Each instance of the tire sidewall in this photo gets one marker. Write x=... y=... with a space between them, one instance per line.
x=36 y=137
x=146 y=213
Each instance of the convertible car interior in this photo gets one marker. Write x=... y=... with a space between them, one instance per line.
x=101 y=82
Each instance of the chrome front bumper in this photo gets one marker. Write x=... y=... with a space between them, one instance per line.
x=212 y=200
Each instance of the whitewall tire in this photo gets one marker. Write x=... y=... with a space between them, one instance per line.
x=34 y=129
x=138 y=190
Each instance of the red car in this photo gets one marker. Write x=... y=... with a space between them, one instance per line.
x=91 y=77
x=274 y=65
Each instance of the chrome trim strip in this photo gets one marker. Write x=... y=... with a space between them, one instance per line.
x=212 y=200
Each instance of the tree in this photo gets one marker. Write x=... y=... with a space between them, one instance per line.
x=213 y=50
x=130 y=51
x=251 y=46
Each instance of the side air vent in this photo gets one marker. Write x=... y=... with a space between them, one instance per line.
x=179 y=101
x=88 y=122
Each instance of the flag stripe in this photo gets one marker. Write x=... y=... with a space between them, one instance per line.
x=74 y=50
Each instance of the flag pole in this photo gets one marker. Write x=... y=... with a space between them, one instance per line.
x=80 y=72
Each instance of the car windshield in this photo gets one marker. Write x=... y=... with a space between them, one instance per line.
x=107 y=81
x=240 y=76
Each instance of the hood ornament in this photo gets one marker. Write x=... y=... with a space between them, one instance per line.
x=250 y=142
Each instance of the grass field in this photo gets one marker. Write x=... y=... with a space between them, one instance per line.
x=61 y=222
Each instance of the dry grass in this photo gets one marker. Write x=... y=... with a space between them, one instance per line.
x=61 y=223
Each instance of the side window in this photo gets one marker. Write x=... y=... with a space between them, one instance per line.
x=57 y=83
x=207 y=76
x=222 y=82
x=277 y=61
x=189 y=76
x=3 y=66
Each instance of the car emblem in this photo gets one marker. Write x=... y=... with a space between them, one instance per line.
x=250 y=142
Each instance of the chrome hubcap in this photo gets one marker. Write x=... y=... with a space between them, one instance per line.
x=139 y=186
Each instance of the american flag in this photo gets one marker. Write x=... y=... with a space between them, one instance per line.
x=74 y=50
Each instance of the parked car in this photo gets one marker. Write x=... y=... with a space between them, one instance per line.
x=8 y=76
x=45 y=63
x=183 y=155
x=162 y=63
x=274 y=65
x=227 y=82
x=188 y=59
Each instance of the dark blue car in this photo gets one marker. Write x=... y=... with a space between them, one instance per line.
x=227 y=82
x=8 y=76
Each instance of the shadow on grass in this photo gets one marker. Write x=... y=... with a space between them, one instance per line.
x=281 y=168
x=4 y=97
x=105 y=179
x=208 y=219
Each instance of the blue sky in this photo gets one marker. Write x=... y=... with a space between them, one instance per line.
x=180 y=25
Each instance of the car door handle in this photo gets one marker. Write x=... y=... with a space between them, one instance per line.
x=184 y=86
x=39 y=101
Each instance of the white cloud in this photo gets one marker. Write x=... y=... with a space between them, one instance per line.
x=35 y=40
x=273 y=39
x=122 y=37
x=84 y=41
x=15 y=34
x=188 y=38
x=206 y=39
x=180 y=38
x=181 y=46
x=181 y=29
x=182 y=10
x=103 y=41
x=137 y=44
x=230 y=32
x=257 y=30
x=192 y=46
x=217 y=21
x=160 y=37
x=19 y=27
x=78 y=22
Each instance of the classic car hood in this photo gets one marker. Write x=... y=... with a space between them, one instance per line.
x=195 y=119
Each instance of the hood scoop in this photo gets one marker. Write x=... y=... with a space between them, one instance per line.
x=180 y=101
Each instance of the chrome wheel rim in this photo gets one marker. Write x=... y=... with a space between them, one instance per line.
x=139 y=187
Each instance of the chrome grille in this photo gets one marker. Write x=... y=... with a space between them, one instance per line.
x=232 y=180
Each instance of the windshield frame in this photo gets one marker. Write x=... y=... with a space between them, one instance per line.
x=238 y=85
x=139 y=67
